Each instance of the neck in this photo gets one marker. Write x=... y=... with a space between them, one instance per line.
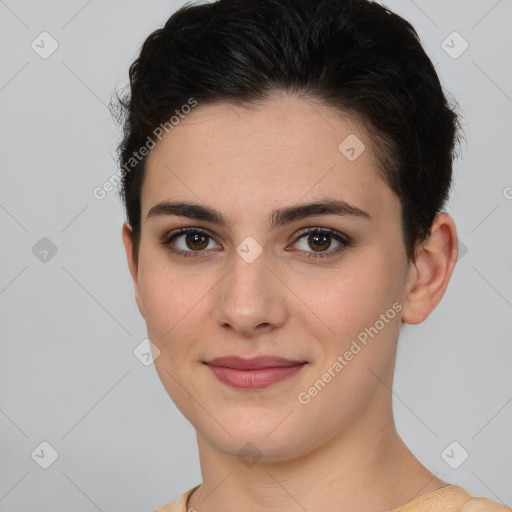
x=368 y=468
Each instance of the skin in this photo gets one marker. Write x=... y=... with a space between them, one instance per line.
x=340 y=451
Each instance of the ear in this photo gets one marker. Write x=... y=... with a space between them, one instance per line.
x=132 y=264
x=431 y=270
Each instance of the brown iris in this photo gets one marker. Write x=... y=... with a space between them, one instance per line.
x=319 y=239
x=196 y=241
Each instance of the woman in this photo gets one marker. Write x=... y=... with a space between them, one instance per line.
x=284 y=169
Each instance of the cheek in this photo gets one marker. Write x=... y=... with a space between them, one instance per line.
x=341 y=303
x=172 y=303
x=160 y=302
x=169 y=300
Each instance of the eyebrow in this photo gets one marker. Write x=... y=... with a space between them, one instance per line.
x=277 y=218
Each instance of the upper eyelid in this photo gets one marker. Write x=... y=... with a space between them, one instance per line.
x=321 y=229
x=176 y=233
x=188 y=229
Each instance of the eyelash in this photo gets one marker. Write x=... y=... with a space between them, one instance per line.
x=339 y=237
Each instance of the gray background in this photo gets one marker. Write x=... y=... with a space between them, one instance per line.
x=69 y=324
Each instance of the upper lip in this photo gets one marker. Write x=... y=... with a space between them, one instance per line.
x=252 y=363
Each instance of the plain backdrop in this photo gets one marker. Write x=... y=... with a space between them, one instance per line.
x=68 y=320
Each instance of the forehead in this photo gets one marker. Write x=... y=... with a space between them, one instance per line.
x=246 y=161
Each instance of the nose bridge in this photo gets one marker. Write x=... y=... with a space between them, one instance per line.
x=249 y=264
x=249 y=294
x=249 y=277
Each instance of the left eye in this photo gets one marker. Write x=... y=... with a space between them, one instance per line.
x=320 y=239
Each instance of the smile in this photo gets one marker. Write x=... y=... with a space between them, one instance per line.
x=254 y=373
x=254 y=379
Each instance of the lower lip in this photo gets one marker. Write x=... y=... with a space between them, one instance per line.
x=254 y=379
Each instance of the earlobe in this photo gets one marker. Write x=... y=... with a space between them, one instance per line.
x=127 y=234
x=431 y=270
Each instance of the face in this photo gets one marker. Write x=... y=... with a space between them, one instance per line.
x=321 y=287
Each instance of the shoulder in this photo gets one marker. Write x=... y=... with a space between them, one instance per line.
x=180 y=505
x=483 y=505
x=452 y=498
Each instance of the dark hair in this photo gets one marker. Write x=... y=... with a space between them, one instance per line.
x=353 y=55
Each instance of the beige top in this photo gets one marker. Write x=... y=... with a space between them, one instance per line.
x=450 y=498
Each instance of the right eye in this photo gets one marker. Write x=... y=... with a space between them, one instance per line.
x=190 y=242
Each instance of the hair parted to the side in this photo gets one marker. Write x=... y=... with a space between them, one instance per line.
x=353 y=55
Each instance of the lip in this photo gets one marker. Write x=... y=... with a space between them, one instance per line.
x=255 y=372
x=252 y=363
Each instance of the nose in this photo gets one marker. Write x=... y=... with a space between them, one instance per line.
x=251 y=298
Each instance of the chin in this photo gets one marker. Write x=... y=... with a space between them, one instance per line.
x=258 y=441
x=252 y=449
